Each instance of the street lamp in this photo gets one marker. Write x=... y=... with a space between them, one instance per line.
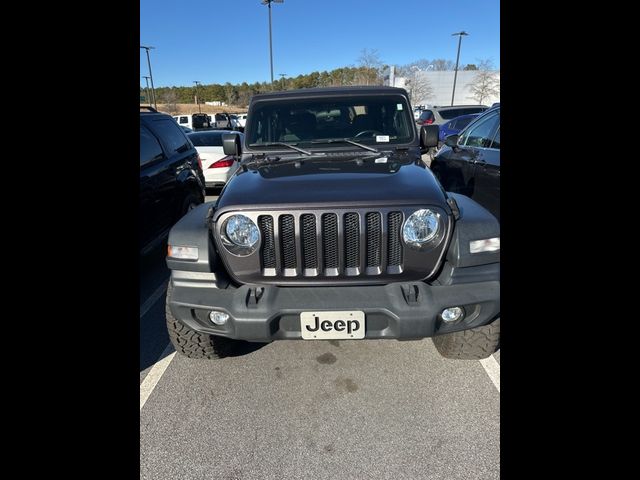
x=153 y=90
x=455 y=75
x=147 y=79
x=197 y=82
x=269 y=2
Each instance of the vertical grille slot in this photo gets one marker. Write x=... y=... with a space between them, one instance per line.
x=288 y=241
x=374 y=239
x=309 y=241
x=394 y=247
x=352 y=240
x=265 y=223
x=330 y=240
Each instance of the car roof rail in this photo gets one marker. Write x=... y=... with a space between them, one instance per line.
x=148 y=107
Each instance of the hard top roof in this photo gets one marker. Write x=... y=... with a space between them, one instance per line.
x=322 y=91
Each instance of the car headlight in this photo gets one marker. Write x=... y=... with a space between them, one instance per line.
x=421 y=227
x=240 y=235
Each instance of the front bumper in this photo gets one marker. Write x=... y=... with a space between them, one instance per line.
x=407 y=310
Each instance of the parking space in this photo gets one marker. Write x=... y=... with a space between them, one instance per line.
x=299 y=409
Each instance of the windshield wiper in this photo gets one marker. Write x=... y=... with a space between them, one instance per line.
x=281 y=144
x=346 y=140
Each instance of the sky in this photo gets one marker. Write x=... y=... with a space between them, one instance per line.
x=219 y=41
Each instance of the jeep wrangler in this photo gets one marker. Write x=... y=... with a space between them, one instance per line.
x=333 y=228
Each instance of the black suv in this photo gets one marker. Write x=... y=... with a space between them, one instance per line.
x=334 y=229
x=171 y=179
x=469 y=163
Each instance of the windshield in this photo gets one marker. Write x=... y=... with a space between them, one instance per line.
x=206 y=139
x=383 y=119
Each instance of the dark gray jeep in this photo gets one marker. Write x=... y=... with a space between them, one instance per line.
x=333 y=228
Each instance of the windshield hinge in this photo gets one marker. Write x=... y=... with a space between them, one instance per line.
x=454 y=207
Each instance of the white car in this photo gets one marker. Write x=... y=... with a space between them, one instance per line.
x=217 y=167
x=242 y=119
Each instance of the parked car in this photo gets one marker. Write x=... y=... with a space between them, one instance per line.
x=186 y=129
x=469 y=163
x=417 y=110
x=171 y=179
x=195 y=121
x=454 y=126
x=242 y=120
x=439 y=115
x=217 y=167
x=333 y=229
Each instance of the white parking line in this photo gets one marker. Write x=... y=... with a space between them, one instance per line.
x=150 y=302
x=492 y=367
x=155 y=374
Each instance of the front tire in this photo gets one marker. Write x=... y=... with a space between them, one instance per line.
x=194 y=344
x=474 y=344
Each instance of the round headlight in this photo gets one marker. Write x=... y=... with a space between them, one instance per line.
x=421 y=227
x=242 y=231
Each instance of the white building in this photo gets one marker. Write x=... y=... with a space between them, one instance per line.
x=441 y=83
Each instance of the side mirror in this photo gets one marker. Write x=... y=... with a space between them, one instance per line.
x=429 y=136
x=451 y=141
x=231 y=145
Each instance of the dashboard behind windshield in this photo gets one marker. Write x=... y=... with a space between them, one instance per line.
x=366 y=119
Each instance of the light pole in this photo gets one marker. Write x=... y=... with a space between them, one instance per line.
x=197 y=82
x=455 y=75
x=268 y=3
x=282 y=75
x=153 y=90
x=147 y=79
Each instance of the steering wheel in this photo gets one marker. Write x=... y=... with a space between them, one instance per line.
x=368 y=133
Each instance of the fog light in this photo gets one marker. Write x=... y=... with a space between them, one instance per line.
x=219 y=318
x=451 y=314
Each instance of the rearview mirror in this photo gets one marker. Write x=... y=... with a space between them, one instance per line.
x=429 y=136
x=231 y=144
x=451 y=140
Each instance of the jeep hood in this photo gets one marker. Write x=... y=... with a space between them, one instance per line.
x=311 y=183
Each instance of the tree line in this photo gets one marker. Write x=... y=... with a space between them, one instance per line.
x=369 y=71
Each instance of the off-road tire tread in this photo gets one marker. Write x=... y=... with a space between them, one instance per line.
x=193 y=344
x=474 y=344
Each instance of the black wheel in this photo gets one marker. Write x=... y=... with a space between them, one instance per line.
x=474 y=344
x=194 y=344
x=191 y=201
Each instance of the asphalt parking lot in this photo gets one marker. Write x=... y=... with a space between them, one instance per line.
x=298 y=409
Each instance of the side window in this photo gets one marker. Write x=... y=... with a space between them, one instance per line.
x=184 y=120
x=479 y=135
x=496 y=139
x=463 y=122
x=150 y=148
x=171 y=135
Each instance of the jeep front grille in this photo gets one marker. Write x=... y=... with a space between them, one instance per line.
x=325 y=247
x=351 y=244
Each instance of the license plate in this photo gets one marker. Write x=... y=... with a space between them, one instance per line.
x=347 y=325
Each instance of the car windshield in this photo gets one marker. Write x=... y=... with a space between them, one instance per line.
x=382 y=119
x=456 y=112
x=206 y=139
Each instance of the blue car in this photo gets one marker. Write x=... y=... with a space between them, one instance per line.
x=455 y=125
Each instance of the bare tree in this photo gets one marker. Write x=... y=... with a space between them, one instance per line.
x=440 y=64
x=372 y=66
x=417 y=85
x=485 y=84
x=170 y=100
